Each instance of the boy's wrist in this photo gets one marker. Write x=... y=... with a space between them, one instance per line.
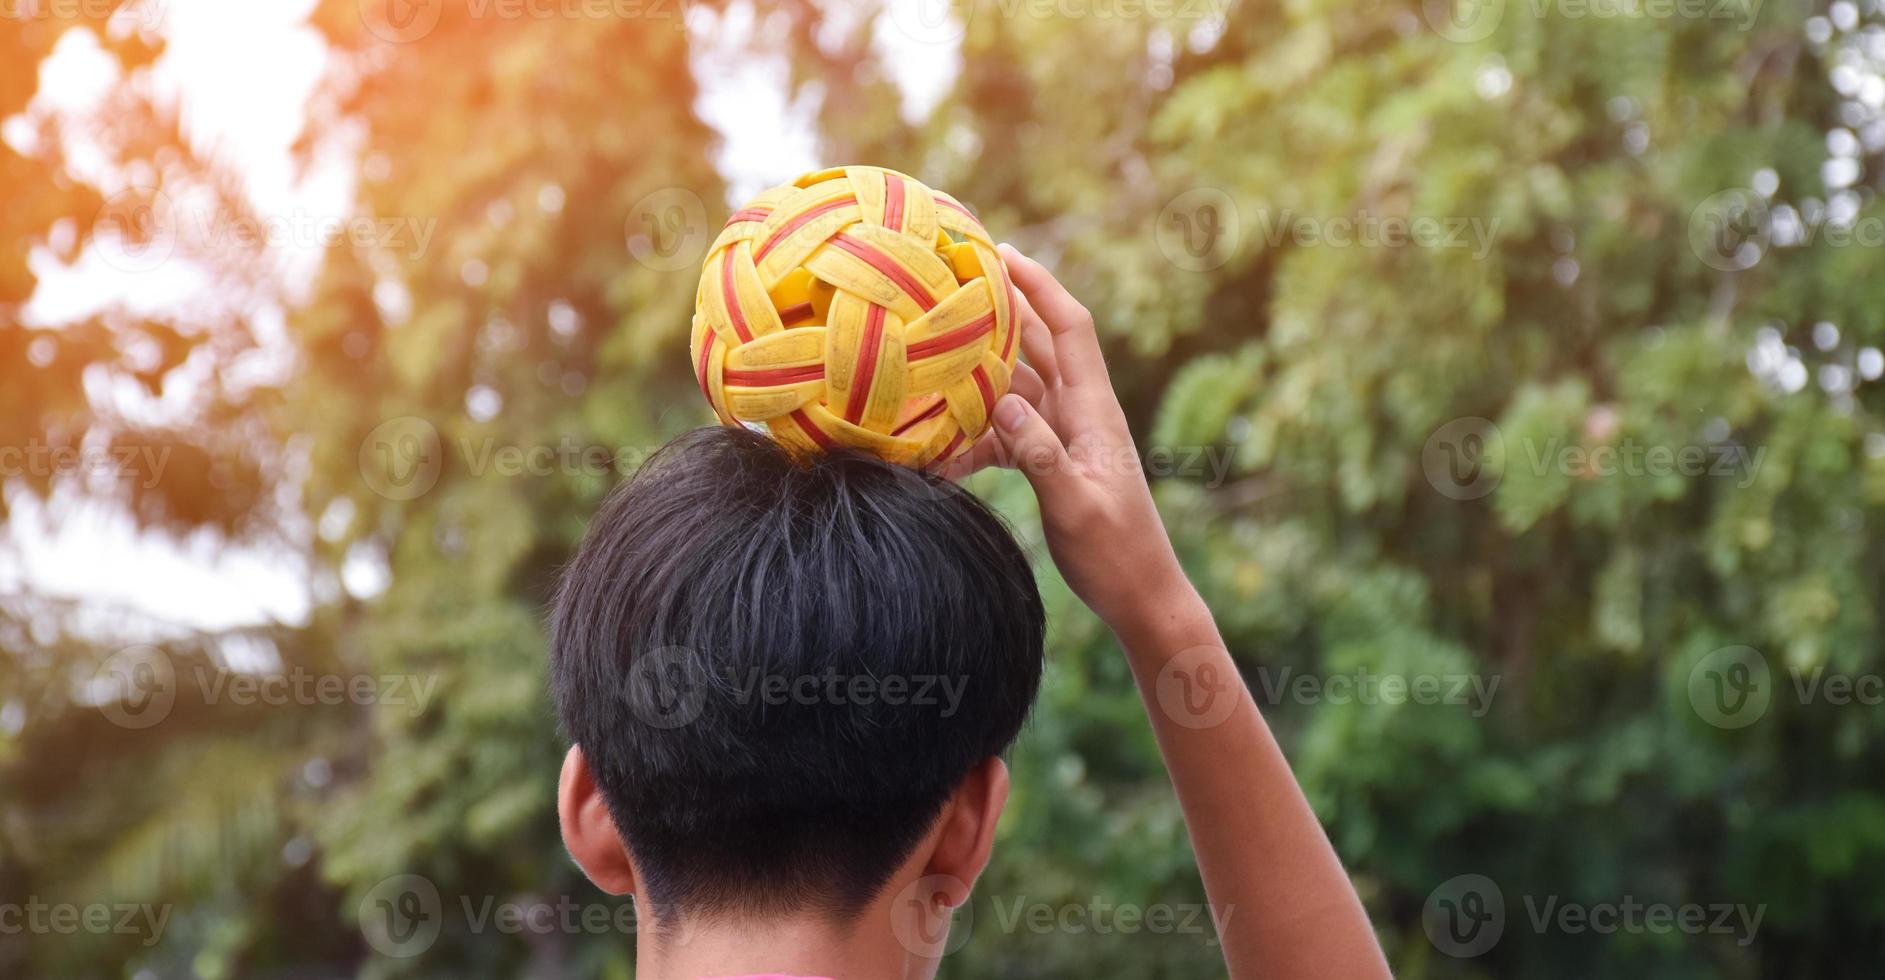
x=1164 y=618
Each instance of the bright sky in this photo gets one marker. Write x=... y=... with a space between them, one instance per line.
x=242 y=70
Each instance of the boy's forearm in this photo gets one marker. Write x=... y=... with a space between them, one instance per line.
x=1282 y=903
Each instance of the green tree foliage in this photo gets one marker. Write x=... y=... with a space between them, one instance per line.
x=1468 y=457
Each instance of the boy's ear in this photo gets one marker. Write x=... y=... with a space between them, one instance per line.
x=589 y=831
x=965 y=835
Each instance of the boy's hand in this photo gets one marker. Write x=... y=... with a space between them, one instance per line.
x=1062 y=426
x=1260 y=850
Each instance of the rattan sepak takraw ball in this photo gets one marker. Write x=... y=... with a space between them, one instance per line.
x=856 y=307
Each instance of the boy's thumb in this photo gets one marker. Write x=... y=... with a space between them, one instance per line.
x=1030 y=445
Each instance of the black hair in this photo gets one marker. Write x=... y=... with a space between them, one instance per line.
x=780 y=666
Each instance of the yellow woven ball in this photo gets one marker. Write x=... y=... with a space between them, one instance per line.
x=856 y=307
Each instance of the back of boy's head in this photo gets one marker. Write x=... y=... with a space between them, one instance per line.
x=780 y=668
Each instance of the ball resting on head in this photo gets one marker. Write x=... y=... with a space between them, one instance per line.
x=856 y=307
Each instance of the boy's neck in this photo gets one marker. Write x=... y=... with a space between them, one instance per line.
x=797 y=946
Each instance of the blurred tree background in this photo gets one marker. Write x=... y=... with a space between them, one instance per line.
x=1308 y=402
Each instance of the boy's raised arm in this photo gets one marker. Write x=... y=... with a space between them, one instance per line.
x=1283 y=904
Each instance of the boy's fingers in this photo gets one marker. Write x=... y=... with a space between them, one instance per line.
x=985 y=453
x=1076 y=344
x=1030 y=445
x=987 y=450
x=1027 y=383
x=1037 y=345
x=1092 y=407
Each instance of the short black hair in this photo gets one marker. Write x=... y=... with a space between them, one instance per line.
x=779 y=667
